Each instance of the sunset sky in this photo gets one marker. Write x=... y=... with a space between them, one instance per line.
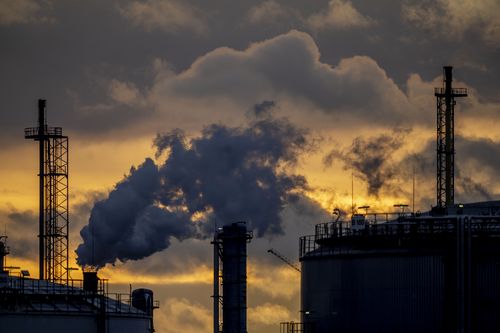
x=344 y=88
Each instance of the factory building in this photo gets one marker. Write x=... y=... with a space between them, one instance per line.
x=26 y=304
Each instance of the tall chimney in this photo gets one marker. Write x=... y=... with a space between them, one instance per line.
x=231 y=243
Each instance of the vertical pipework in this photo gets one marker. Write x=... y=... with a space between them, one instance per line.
x=450 y=137
x=216 y=284
x=41 y=136
x=234 y=240
x=3 y=253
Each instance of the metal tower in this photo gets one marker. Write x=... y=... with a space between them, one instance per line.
x=445 y=97
x=230 y=248
x=53 y=213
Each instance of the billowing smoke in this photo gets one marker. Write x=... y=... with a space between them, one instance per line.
x=225 y=175
x=263 y=108
x=370 y=159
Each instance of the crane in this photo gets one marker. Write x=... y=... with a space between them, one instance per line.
x=284 y=259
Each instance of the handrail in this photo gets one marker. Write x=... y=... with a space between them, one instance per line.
x=328 y=235
x=68 y=297
x=32 y=132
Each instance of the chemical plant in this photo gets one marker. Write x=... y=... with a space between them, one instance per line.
x=55 y=302
x=407 y=272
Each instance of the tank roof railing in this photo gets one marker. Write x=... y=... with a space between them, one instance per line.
x=296 y=327
x=331 y=233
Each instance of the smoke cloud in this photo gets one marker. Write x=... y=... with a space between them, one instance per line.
x=225 y=175
x=370 y=159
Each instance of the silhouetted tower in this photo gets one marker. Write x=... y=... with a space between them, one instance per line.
x=445 y=97
x=4 y=250
x=53 y=206
x=230 y=248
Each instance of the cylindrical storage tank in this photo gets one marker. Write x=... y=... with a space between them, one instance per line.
x=427 y=276
x=142 y=299
x=367 y=292
x=234 y=240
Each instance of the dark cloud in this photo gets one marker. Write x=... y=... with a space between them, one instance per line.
x=476 y=165
x=371 y=159
x=78 y=65
x=21 y=227
x=225 y=175
x=263 y=108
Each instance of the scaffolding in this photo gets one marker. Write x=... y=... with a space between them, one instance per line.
x=53 y=205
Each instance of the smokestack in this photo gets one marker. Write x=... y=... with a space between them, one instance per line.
x=90 y=280
x=445 y=97
x=232 y=248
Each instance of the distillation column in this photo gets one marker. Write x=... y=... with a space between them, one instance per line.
x=231 y=249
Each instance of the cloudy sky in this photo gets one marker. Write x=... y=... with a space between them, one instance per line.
x=190 y=113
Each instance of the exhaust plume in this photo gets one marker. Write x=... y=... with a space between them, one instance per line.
x=370 y=159
x=225 y=175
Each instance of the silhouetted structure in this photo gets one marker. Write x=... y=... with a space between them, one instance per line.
x=405 y=272
x=53 y=206
x=55 y=302
x=230 y=248
x=409 y=274
x=445 y=97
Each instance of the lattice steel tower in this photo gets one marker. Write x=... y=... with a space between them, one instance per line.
x=53 y=214
x=445 y=97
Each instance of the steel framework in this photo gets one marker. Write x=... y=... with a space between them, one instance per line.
x=53 y=206
x=445 y=98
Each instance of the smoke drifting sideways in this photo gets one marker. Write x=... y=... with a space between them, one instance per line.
x=224 y=175
x=370 y=159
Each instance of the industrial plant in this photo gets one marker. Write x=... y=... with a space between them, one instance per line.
x=55 y=302
x=437 y=271
x=404 y=271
